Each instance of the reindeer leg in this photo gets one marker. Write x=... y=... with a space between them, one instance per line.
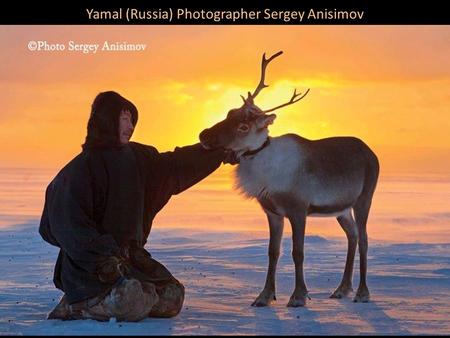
x=298 y=222
x=348 y=224
x=276 y=224
x=361 y=210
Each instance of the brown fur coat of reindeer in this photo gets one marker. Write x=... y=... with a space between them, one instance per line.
x=293 y=177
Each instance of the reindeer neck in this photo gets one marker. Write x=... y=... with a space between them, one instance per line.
x=257 y=150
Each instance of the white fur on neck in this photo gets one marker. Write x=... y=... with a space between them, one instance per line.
x=252 y=142
x=273 y=169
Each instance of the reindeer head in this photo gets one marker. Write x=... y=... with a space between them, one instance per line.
x=245 y=128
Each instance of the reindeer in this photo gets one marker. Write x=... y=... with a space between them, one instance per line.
x=293 y=177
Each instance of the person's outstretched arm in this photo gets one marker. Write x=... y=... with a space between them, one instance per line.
x=172 y=172
x=191 y=164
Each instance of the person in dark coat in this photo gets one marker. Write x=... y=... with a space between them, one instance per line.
x=99 y=211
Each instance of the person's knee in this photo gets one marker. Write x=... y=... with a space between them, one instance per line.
x=171 y=298
x=179 y=291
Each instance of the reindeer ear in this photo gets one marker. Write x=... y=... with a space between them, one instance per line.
x=265 y=120
x=269 y=119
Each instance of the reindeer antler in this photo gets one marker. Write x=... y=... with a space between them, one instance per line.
x=295 y=98
x=262 y=85
x=250 y=97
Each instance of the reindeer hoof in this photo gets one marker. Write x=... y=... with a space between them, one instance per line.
x=361 y=299
x=258 y=303
x=341 y=291
x=297 y=301
x=362 y=295
x=264 y=299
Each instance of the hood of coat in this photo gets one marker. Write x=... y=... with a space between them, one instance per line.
x=103 y=124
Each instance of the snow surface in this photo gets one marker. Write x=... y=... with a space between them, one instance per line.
x=224 y=271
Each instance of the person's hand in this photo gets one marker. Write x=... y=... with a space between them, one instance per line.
x=230 y=157
x=111 y=269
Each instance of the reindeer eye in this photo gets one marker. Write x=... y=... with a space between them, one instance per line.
x=243 y=127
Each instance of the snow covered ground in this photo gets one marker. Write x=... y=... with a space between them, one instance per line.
x=224 y=271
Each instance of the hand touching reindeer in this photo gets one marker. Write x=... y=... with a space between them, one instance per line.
x=293 y=177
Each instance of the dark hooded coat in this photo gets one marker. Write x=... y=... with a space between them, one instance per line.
x=107 y=196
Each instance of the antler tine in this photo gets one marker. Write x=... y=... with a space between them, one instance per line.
x=264 y=63
x=295 y=98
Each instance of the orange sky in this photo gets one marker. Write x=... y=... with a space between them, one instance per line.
x=389 y=85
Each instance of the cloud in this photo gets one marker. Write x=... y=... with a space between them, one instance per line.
x=426 y=218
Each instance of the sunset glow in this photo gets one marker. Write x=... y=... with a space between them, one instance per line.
x=385 y=84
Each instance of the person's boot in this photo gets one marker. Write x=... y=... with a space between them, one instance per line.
x=128 y=301
x=61 y=311
x=171 y=298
